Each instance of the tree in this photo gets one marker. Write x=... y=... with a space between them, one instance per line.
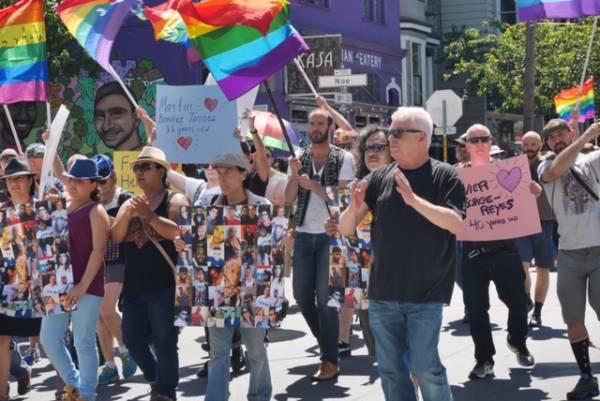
x=493 y=64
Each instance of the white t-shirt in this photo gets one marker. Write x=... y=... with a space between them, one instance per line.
x=51 y=290
x=316 y=215
x=577 y=213
x=206 y=194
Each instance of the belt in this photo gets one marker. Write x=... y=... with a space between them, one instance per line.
x=474 y=252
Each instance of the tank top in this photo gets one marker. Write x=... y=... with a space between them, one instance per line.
x=81 y=245
x=146 y=270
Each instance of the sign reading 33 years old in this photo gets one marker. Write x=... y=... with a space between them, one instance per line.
x=500 y=204
x=194 y=123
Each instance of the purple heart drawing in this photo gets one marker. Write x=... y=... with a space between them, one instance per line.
x=509 y=180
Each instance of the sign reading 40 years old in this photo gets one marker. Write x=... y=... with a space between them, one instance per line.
x=499 y=201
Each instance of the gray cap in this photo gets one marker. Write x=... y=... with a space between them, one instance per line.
x=35 y=150
x=231 y=160
x=8 y=153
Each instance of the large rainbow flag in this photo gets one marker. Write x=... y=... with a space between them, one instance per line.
x=242 y=42
x=566 y=101
x=169 y=26
x=23 y=56
x=556 y=9
x=95 y=24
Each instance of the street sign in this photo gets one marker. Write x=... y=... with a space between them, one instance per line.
x=435 y=106
x=332 y=81
x=343 y=98
x=344 y=71
x=449 y=130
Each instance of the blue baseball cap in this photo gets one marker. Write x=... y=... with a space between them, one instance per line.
x=83 y=169
x=105 y=166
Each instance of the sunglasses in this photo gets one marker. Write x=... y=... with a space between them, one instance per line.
x=376 y=147
x=143 y=167
x=346 y=146
x=398 y=133
x=479 y=139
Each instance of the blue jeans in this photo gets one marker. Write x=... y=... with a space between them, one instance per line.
x=218 y=367
x=406 y=339
x=149 y=317
x=52 y=336
x=18 y=367
x=311 y=290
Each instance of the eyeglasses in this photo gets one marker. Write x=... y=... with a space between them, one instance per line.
x=397 y=133
x=143 y=167
x=375 y=148
x=479 y=139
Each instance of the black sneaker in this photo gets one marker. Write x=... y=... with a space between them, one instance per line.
x=524 y=358
x=535 y=321
x=203 y=371
x=344 y=349
x=482 y=370
x=585 y=388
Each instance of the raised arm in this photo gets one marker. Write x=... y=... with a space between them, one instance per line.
x=339 y=119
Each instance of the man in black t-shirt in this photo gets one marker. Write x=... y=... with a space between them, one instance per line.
x=418 y=207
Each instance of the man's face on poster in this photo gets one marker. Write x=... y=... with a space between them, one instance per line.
x=23 y=115
x=115 y=121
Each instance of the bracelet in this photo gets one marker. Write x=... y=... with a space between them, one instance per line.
x=254 y=131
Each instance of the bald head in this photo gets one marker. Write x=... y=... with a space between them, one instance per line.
x=478 y=130
x=532 y=144
x=532 y=136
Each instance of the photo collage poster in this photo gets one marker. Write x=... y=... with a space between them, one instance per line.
x=36 y=271
x=230 y=273
x=349 y=257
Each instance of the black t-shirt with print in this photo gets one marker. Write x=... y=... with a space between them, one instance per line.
x=414 y=259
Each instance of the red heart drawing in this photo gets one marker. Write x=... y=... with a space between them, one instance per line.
x=210 y=104
x=185 y=142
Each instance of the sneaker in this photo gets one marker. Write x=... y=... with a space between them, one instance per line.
x=585 y=388
x=31 y=356
x=203 y=371
x=108 y=375
x=344 y=349
x=535 y=321
x=524 y=358
x=24 y=383
x=129 y=365
x=481 y=370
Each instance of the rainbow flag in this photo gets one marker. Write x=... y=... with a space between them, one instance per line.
x=566 y=101
x=169 y=26
x=23 y=57
x=269 y=128
x=556 y=9
x=242 y=42
x=95 y=24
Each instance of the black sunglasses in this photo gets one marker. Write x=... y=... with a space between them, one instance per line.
x=375 y=148
x=479 y=139
x=143 y=167
x=397 y=133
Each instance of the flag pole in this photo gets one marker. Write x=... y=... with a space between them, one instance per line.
x=125 y=89
x=48 y=114
x=12 y=128
x=587 y=61
x=310 y=85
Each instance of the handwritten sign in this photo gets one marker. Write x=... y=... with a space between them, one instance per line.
x=123 y=166
x=500 y=204
x=195 y=123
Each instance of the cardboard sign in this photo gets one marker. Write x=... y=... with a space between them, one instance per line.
x=499 y=201
x=123 y=161
x=195 y=123
x=230 y=273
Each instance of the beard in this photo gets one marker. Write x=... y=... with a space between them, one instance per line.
x=532 y=154
x=318 y=137
x=559 y=147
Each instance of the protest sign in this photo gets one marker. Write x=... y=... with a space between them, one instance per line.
x=499 y=201
x=246 y=101
x=123 y=161
x=36 y=272
x=194 y=123
x=349 y=257
x=230 y=272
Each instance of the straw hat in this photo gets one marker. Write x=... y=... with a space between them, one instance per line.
x=154 y=155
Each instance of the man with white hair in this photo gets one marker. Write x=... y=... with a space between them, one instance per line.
x=497 y=261
x=538 y=246
x=418 y=207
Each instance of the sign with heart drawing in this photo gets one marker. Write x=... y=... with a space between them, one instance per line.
x=194 y=123
x=500 y=204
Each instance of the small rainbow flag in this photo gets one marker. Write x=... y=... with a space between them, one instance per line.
x=242 y=42
x=23 y=56
x=95 y=24
x=269 y=128
x=169 y=26
x=556 y=9
x=566 y=101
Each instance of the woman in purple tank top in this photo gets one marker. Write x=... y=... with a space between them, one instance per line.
x=89 y=227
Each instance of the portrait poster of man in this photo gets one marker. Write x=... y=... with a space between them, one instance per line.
x=230 y=271
x=36 y=271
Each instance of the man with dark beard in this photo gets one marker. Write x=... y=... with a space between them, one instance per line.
x=538 y=246
x=316 y=167
x=24 y=115
x=571 y=180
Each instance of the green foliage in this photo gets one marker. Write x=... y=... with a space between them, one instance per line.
x=493 y=64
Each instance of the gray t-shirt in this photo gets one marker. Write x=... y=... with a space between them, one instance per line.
x=576 y=211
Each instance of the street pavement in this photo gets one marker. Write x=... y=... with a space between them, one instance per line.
x=294 y=357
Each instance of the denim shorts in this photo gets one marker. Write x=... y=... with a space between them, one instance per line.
x=538 y=246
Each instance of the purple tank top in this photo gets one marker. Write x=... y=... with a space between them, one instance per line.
x=80 y=241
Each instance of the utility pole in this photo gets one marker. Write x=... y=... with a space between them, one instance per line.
x=529 y=78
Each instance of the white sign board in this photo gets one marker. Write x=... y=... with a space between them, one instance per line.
x=345 y=71
x=449 y=130
x=332 y=81
x=343 y=98
x=454 y=107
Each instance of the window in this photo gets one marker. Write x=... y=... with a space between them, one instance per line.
x=417 y=75
x=508 y=12
x=318 y=3
x=393 y=97
x=373 y=10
